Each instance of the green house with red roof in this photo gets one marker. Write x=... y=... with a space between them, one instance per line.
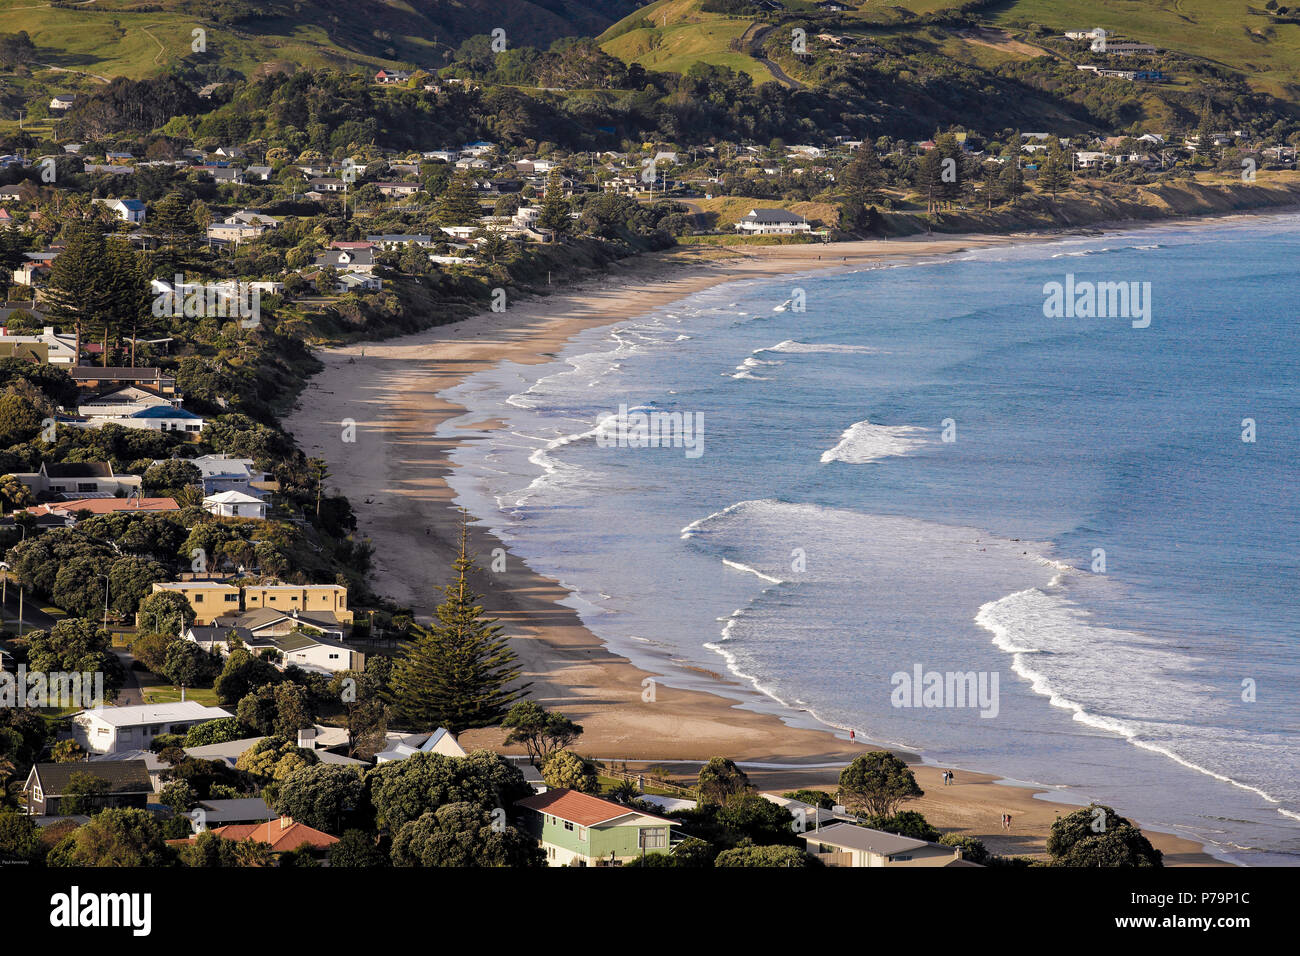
x=577 y=829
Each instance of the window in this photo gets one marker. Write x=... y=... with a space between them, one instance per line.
x=232 y=598
x=198 y=599
x=568 y=825
x=582 y=834
x=654 y=838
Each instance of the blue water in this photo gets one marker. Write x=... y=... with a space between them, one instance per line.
x=921 y=468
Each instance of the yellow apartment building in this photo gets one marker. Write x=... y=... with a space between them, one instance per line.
x=211 y=599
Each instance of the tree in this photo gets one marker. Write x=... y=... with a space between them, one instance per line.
x=456 y=672
x=151 y=650
x=323 y=796
x=972 y=848
x=789 y=856
x=814 y=798
x=219 y=731
x=567 y=770
x=458 y=205
x=188 y=665
x=20 y=840
x=1098 y=836
x=554 y=214
x=167 y=612
x=906 y=823
x=274 y=758
x=74 y=646
x=173 y=474
x=356 y=849
x=750 y=816
x=877 y=783
x=243 y=672
x=721 y=781
x=1055 y=174
x=14 y=494
x=403 y=790
x=463 y=834
x=130 y=581
x=78 y=291
x=115 y=837
x=67 y=751
x=84 y=793
x=540 y=732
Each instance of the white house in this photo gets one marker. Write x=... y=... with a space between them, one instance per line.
x=59 y=349
x=160 y=418
x=235 y=504
x=357 y=282
x=107 y=730
x=402 y=746
x=128 y=210
x=778 y=222
x=63 y=101
x=227 y=473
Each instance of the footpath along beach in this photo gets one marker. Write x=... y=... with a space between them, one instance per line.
x=394 y=473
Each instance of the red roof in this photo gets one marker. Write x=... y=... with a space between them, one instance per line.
x=351 y=245
x=103 y=506
x=576 y=807
x=283 y=835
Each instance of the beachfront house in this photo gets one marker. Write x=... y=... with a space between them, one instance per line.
x=401 y=746
x=577 y=829
x=845 y=844
x=235 y=504
x=772 y=222
x=112 y=729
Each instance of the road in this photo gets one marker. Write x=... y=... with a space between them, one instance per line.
x=756 y=51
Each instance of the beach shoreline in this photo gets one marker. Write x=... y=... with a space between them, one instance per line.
x=395 y=473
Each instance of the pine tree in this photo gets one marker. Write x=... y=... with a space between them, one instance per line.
x=1055 y=174
x=77 y=291
x=456 y=672
x=554 y=214
x=458 y=206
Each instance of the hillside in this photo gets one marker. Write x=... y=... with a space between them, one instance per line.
x=108 y=38
x=1241 y=37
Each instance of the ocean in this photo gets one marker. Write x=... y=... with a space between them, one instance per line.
x=937 y=467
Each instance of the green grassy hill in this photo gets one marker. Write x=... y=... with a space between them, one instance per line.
x=133 y=38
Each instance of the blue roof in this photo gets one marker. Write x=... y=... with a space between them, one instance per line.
x=132 y=204
x=164 y=411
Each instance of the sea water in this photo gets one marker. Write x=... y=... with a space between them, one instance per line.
x=925 y=465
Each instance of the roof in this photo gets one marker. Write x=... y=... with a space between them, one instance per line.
x=78 y=469
x=98 y=373
x=103 y=506
x=860 y=838
x=238 y=810
x=123 y=776
x=233 y=498
x=164 y=411
x=580 y=808
x=157 y=713
x=773 y=215
x=282 y=836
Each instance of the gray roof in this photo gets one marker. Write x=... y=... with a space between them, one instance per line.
x=860 y=838
x=239 y=810
x=122 y=776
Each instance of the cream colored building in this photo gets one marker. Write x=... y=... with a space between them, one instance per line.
x=306 y=598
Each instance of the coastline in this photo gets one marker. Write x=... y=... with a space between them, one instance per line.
x=395 y=473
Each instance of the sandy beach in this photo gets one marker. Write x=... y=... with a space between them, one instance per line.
x=395 y=470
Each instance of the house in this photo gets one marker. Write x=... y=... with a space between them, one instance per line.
x=399 y=240
x=218 y=813
x=63 y=101
x=772 y=222
x=209 y=599
x=356 y=282
x=47 y=784
x=71 y=507
x=78 y=479
x=478 y=147
x=259 y=173
x=150 y=379
x=160 y=418
x=253 y=218
x=229 y=175
x=578 y=829
x=227 y=473
x=389 y=77
x=846 y=844
x=327 y=599
x=1088 y=159
x=314 y=644
x=235 y=504
x=234 y=232
x=112 y=729
x=807 y=817
x=441 y=741
x=122 y=401
x=128 y=210
x=50 y=347
x=398 y=188
x=327 y=184
x=347 y=260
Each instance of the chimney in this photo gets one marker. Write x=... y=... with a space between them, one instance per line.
x=285 y=822
x=307 y=738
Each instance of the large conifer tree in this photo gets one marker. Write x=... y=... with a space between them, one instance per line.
x=457 y=671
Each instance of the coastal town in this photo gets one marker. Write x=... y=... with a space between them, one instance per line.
x=209 y=657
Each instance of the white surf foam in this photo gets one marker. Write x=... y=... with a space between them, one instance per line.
x=863 y=442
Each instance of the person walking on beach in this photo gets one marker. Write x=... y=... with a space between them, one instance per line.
x=951 y=775
x=851 y=736
x=945 y=778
